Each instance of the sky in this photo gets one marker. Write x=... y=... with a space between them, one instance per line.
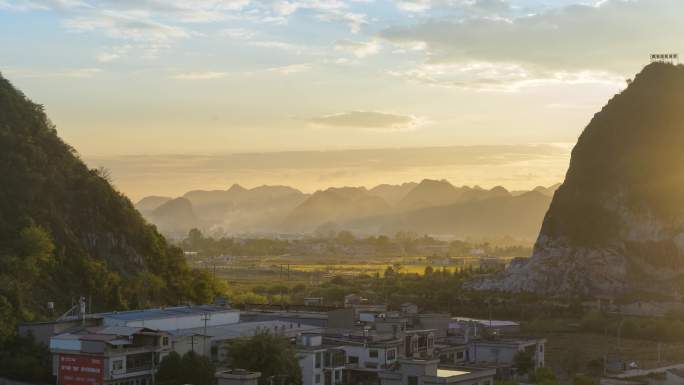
x=168 y=94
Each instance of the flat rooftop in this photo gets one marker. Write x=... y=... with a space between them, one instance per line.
x=450 y=372
x=246 y=329
x=494 y=323
x=156 y=313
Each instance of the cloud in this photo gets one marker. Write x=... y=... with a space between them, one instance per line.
x=468 y=6
x=599 y=43
x=290 y=69
x=237 y=33
x=368 y=119
x=130 y=25
x=105 y=57
x=613 y=35
x=358 y=48
x=205 y=75
x=66 y=73
x=354 y=20
x=414 y=6
x=280 y=45
x=498 y=76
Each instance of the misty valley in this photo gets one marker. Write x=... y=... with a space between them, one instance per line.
x=332 y=192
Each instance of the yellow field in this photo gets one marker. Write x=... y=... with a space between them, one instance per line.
x=363 y=268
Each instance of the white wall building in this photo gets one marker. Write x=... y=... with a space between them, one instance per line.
x=320 y=364
x=428 y=372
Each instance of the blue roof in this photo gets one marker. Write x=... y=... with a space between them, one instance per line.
x=132 y=315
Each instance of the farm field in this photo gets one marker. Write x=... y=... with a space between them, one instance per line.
x=246 y=272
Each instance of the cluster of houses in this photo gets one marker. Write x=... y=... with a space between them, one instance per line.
x=356 y=344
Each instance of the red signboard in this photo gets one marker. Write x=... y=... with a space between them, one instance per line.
x=80 y=370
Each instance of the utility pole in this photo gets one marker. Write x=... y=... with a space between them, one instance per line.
x=213 y=260
x=489 y=305
x=205 y=318
x=659 y=351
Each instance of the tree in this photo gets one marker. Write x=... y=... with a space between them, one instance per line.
x=23 y=359
x=545 y=376
x=346 y=237
x=197 y=370
x=269 y=354
x=584 y=380
x=189 y=369
x=195 y=238
x=524 y=362
x=169 y=371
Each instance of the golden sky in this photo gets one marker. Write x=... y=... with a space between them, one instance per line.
x=163 y=91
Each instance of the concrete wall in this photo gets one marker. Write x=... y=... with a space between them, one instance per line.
x=184 y=344
x=363 y=353
x=341 y=318
x=307 y=363
x=503 y=352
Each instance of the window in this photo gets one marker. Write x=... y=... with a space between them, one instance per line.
x=372 y=365
x=373 y=353
x=353 y=360
x=412 y=380
x=165 y=341
x=541 y=348
x=318 y=359
x=117 y=365
x=459 y=355
x=318 y=379
x=391 y=354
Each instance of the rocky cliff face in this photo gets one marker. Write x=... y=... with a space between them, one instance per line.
x=616 y=225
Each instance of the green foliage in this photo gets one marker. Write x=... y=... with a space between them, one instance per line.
x=64 y=226
x=266 y=353
x=545 y=376
x=656 y=329
x=340 y=243
x=192 y=368
x=524 y=362
x=21 y=358
x=584 y=380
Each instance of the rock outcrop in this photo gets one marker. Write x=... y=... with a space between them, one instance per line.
x=616 y=225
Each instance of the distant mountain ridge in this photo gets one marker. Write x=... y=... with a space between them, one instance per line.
x=383 y=209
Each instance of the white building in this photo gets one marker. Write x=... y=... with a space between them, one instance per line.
x=320 y=363
x=428 y=372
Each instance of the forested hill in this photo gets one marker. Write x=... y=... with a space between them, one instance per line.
x=65 y=231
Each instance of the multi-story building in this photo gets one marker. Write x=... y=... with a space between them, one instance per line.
x=428 y=372
x=504 y=350
x=321 y=364
x=114 y=355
